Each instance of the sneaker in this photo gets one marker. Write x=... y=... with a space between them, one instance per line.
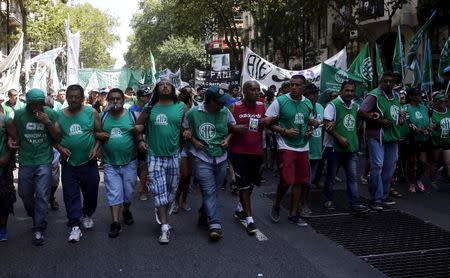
x=364 y=180
x=186 y=207
x=54 y=204
x=171 y=207
x=3 y=234
x=420 y=186
x=240 y=215
x=114 y=229
x=295 y=219
x=305 y=212
x=143 y=197
x=360 y=209
x=329 y=205
x=275 y=214
x=127 y=217
x=157 y=217
x=337 y=179
x=412 y=188
x=87 y=221
x=377 y=206
x=388 y=202
x=175 y=208
x=251 y=228
x=38 y=238
x=215 y=233
x=164 y=237
x=75 y=234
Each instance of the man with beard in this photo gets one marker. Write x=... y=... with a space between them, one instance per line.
x=164 y=117
x=33 y=131
x=78 y=148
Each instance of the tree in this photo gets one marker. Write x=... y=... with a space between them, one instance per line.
x=182 y=52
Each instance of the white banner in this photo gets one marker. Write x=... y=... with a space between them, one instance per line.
x=10 y=68
x=92 y=84
x=73 y=55
x=258 y=69
x=220 y=62
x=44 y=62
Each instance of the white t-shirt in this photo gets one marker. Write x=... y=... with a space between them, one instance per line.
x=330 y=114
x=273 y=112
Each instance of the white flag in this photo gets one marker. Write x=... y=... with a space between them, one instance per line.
x=10 y=68
x=73 y=55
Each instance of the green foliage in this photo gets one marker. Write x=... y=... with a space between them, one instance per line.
x=182 y=52
x=46 y=30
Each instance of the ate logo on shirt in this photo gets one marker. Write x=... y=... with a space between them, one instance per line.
x=116 y=132
x=161 y=119
x=75 y=129
x=445 y=127
x=207 y=131
x=349 y=122
x=394 y=112
x=35 y=126
x=299 y=119
x=419 y=115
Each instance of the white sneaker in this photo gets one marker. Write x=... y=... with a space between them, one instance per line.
x=75 y=234
x=143 y=197
x=157 y=217
x=88 y=222
x=164 y=237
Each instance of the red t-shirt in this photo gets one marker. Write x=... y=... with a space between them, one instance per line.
x=251 y=141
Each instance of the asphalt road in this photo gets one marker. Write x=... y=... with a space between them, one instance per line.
x=281 y=250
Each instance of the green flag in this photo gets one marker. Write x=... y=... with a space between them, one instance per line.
x=398 y=59
x=378 y=64
x=417 y=74
x=362 y=65
x=415 y=41
x=444 y=61
x=150 y=77
x=427 y=76
x=331 y=79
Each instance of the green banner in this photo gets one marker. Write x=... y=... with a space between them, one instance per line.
x=398 y=61
x=445 y=58
x=362 y=65
x=415 y=41
x=378 y=64
x=332 y=78
x=427 y=76
x=114 y=78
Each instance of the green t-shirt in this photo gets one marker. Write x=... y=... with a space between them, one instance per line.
x=418 y=116
x=8 y=110
x=346 y=125
x=4 y=119
x=19 y=105
x=440 y=135
x=390 y=110
x=164 y=129
x=120 y=148
x=294 y=114
x=209 y=128
x=57 y=105
x=78 y=134
x=35 y=141
x=315 y=142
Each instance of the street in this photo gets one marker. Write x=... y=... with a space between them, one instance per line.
x=279 y=250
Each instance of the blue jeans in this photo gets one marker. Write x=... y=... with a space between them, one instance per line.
x=210 y=177
x=314 y=164
x=75 y=178
x=34 y=189
x=383 y=159
x=120 y=182
x=349 y=160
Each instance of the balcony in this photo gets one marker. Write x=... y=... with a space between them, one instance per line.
x=15 y=17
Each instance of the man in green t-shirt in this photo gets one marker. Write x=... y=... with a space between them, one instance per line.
x=341 y=113
x=163 y=117
x=33 y=131
x=209 y=123
x=14 y=101
x=79 y=125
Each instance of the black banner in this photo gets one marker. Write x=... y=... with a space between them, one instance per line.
x=210 y=78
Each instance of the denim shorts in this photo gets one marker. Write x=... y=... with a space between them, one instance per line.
x=120 y=182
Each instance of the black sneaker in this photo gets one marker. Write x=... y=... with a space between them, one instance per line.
x=203 y=221
x=38 y=238
x=251 y=228
x=215 y=234
x=275 y=214
x=360 y=209
x=329 y=205
x=54 y=204
x=295 y=219
x=239 y=215
x=377 y=206
x=114 y=229
x=388 y=202
x=127 y=217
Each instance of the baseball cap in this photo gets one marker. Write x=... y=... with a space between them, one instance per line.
x=103 y=90
x=218 y=94
x=438 y=95
x=144 y=90
x=285 y=84
x=35 y=95
x=413 y=91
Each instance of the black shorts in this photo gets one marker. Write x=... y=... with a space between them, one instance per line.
x=422 y=146
x=247 y=168
x=7 y=191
